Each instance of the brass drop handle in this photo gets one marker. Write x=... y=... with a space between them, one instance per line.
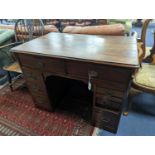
x=91 y=75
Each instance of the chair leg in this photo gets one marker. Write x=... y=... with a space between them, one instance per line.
x=126 y=111
x=10 y=80
x=128 y=107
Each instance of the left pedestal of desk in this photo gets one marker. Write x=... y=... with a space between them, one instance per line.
x=37 y=88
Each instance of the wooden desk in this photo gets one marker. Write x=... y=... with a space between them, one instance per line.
x=107 y=62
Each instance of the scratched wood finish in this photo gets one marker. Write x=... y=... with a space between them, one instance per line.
x=51 y=55
x=113 y=50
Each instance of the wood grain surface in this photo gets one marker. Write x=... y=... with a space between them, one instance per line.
x=113 y=50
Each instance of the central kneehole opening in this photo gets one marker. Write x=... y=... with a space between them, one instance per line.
x=70 y=95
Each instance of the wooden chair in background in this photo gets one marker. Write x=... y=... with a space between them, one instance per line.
x=25 y=30
x=141 y=42
x=28 y=29
x=144 y=78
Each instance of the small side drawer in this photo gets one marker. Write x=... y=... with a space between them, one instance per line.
x=108 y=102
x=34 y=79
x=104 y=115
x=118 y=86
x=31 y=61
x=39 y=89
x=79 y=69
x=105 y=125
x=54 y=65
x=110 y=92
x=114 y=74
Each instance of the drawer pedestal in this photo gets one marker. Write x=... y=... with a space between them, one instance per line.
x=108 y=84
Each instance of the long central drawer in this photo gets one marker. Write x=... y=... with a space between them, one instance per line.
x=102 y=72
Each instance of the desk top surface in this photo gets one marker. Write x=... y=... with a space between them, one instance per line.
x=112 y=50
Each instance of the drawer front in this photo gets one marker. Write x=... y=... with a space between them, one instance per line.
x=113 y=74
x=79 y=69
x=101 y=114
x=105 y=125
x=110 y=95
x=31 y=61
x=31 y=74
x=54 y=65
x=117 y=86
x=103 y=73
x=108 y=102
x=42 y=63
x=36 y=85
x=34 y=79
x=103 y=118
x=110 y=92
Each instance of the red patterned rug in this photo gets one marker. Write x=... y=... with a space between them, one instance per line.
x=19 y=116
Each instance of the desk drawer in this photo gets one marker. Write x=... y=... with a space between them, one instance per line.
x=108 y=102
x=80 y=69
x=31 y=61
x=117 y=86
x=54 y=65
x=105 y=125
x=34 y=78
x=101 y=114
x=37 y=88
x=31 y=74
x=47 y=64
x=110 y=92
x=106 y=119
x=102 y=72
x=113 y=74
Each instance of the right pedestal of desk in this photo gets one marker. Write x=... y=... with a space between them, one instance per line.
x=109 y=93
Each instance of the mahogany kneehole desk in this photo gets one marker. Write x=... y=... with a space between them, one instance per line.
x=105 y=63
